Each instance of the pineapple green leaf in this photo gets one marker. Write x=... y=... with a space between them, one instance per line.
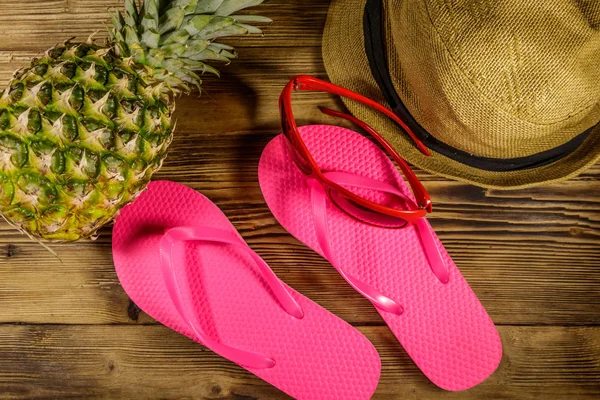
x=137 y=52
x=170 y=29
x=173 y=64
x=193 y=25
x=254 y=19
x=212 y=55
x=229 y=30
x=150 y=13
x=173 y=50
x=118 y=21
x=188 y=6
x=156 y=58
x=228 y=7
x=116 y=33
x=149 y=24
x=171 y=20
x=190 y=77
x=131 y=13
x=180 y=37
x=131 y=36
x=222 y=51
x=215 y=25
x=221 y=46
x=250 y=29
x=151 y=39
x=196 y=46
x=208 y=6
x=194 y=65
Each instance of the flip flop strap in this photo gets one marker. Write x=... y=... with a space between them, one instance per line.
x=432 y=251
x=319 y=209
x=205 y=234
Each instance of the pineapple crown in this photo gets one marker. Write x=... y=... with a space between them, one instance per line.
x=173 y=39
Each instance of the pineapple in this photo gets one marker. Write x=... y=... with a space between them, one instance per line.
x=84 y=127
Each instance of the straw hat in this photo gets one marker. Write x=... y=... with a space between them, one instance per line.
x=505 y=94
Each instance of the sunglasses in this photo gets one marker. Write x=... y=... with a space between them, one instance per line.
x=336 y=184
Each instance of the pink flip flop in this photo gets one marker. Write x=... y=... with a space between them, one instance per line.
x=430 y=309
x=181 y=261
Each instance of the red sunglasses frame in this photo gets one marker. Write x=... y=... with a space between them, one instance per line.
x=290 y=130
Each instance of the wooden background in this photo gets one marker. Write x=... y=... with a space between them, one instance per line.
x=67 y=329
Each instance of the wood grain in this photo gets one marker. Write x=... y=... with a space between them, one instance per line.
x=522 y=275
x=67 y=329
x=152 y=362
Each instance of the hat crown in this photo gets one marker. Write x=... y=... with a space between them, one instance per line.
x=492 y=87
x=538 y=60
x=498 y=79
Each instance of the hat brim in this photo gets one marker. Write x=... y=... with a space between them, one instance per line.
x=347 y=65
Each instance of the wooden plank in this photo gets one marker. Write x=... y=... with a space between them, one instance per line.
x=522 y=275
x=257 y=72
x=35 y=26
x=484 y=230
x=532 y=256
x=152 y=362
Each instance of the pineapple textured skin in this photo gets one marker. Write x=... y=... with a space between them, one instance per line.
x=84 y=128
x=81 y=133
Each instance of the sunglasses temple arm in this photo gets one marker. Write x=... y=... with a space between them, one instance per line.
x=307 y=82
x=418 y=189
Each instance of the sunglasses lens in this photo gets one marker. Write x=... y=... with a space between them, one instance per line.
x=369 y=216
